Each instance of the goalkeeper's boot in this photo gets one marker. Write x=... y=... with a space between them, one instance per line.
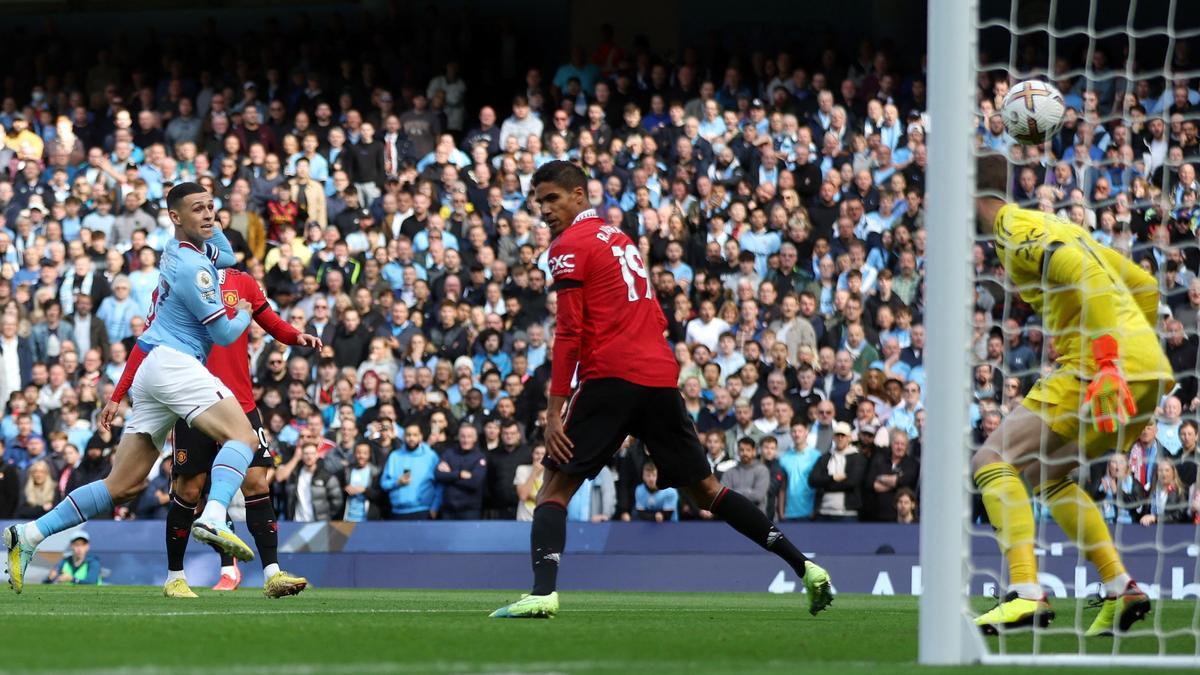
x=19 y=555
x=178 y=588
x=281 y=584
x=529 y=607
x=818 y=587
x=219 y=535
x=1015 y=612
x=229 y=582
x=1118 y=614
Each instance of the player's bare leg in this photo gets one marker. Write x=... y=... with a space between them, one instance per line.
x=260 y=520
x=136 y=455
x=225 y=423
x=743 y=516
x=547 y=537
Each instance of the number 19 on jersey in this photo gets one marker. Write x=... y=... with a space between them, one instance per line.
x=631 y=263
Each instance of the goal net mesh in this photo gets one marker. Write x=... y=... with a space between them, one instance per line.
x=1121 y=167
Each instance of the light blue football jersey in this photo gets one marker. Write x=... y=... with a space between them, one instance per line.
x=186 y=313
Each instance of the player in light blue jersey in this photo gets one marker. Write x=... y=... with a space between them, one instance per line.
x=186 y=318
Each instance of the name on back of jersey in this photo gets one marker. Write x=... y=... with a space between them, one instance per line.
x=607 y=232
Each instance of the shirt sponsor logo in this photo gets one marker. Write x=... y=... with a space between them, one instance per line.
x=561 y=264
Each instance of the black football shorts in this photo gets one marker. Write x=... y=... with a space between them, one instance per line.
x=195 y=451
x=604 y=411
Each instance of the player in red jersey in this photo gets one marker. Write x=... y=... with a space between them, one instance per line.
x=195 y=452
x=609 y=331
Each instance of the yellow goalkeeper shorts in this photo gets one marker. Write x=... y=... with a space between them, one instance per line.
x=1059 y=400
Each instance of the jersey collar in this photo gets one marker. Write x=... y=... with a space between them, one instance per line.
x=584 y=215
x=188 y=244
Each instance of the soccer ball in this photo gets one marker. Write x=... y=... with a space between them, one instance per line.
x=1033 y=112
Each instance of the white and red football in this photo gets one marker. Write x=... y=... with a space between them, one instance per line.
x=1033 y=112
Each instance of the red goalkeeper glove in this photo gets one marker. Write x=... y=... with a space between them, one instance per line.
x=1112 y=403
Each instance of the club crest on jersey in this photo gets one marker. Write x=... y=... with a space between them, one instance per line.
x=230 y=297
x=560 y=264
x=181 y=456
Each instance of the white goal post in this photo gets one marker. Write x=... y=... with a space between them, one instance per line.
x=947 y=635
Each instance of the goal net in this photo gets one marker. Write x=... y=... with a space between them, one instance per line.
x=1124 y=167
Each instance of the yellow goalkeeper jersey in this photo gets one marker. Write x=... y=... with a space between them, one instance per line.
x=1082 y=289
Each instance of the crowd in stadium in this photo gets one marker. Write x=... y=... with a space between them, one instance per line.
x=778 y=204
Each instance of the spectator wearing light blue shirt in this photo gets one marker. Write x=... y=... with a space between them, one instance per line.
x=1168 y=98
x=769 y=166
x=682 y=271
x=882 y=220
x=408 y=478
x=904 y=416
x=994 y=135
x=640 y=181
x=760 y=241
x=452 y=155
x=892 y=129
x=596 y=499
x=712 y=127
x=652 y=503
x=537 y=350
x=393 y=273
x=144 y=281
x=118 y=309
x=1168 y=426
x=153 y=176
x=435 y=228
x=797 y=463
x=728 y=357
x=11 y=425
x=358 y=479
x=577 y=68
x=318 y=166
x=79 y=431
x=858 y=262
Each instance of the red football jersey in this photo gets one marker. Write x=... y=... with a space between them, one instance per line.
x=231 y=363
x=609 y=321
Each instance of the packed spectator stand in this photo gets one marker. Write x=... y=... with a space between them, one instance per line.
x=777 y=202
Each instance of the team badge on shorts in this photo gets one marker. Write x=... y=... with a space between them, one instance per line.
x=181 y=456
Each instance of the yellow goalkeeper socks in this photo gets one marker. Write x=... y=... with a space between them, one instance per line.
x=1077 y=515
x=1009 y=510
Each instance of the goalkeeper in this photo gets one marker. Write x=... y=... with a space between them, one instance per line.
x=1100 y=309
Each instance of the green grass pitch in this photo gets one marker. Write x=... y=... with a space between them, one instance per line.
x=135 y=630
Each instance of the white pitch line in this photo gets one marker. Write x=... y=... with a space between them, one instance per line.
x=255 y=612
x=498 y=668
